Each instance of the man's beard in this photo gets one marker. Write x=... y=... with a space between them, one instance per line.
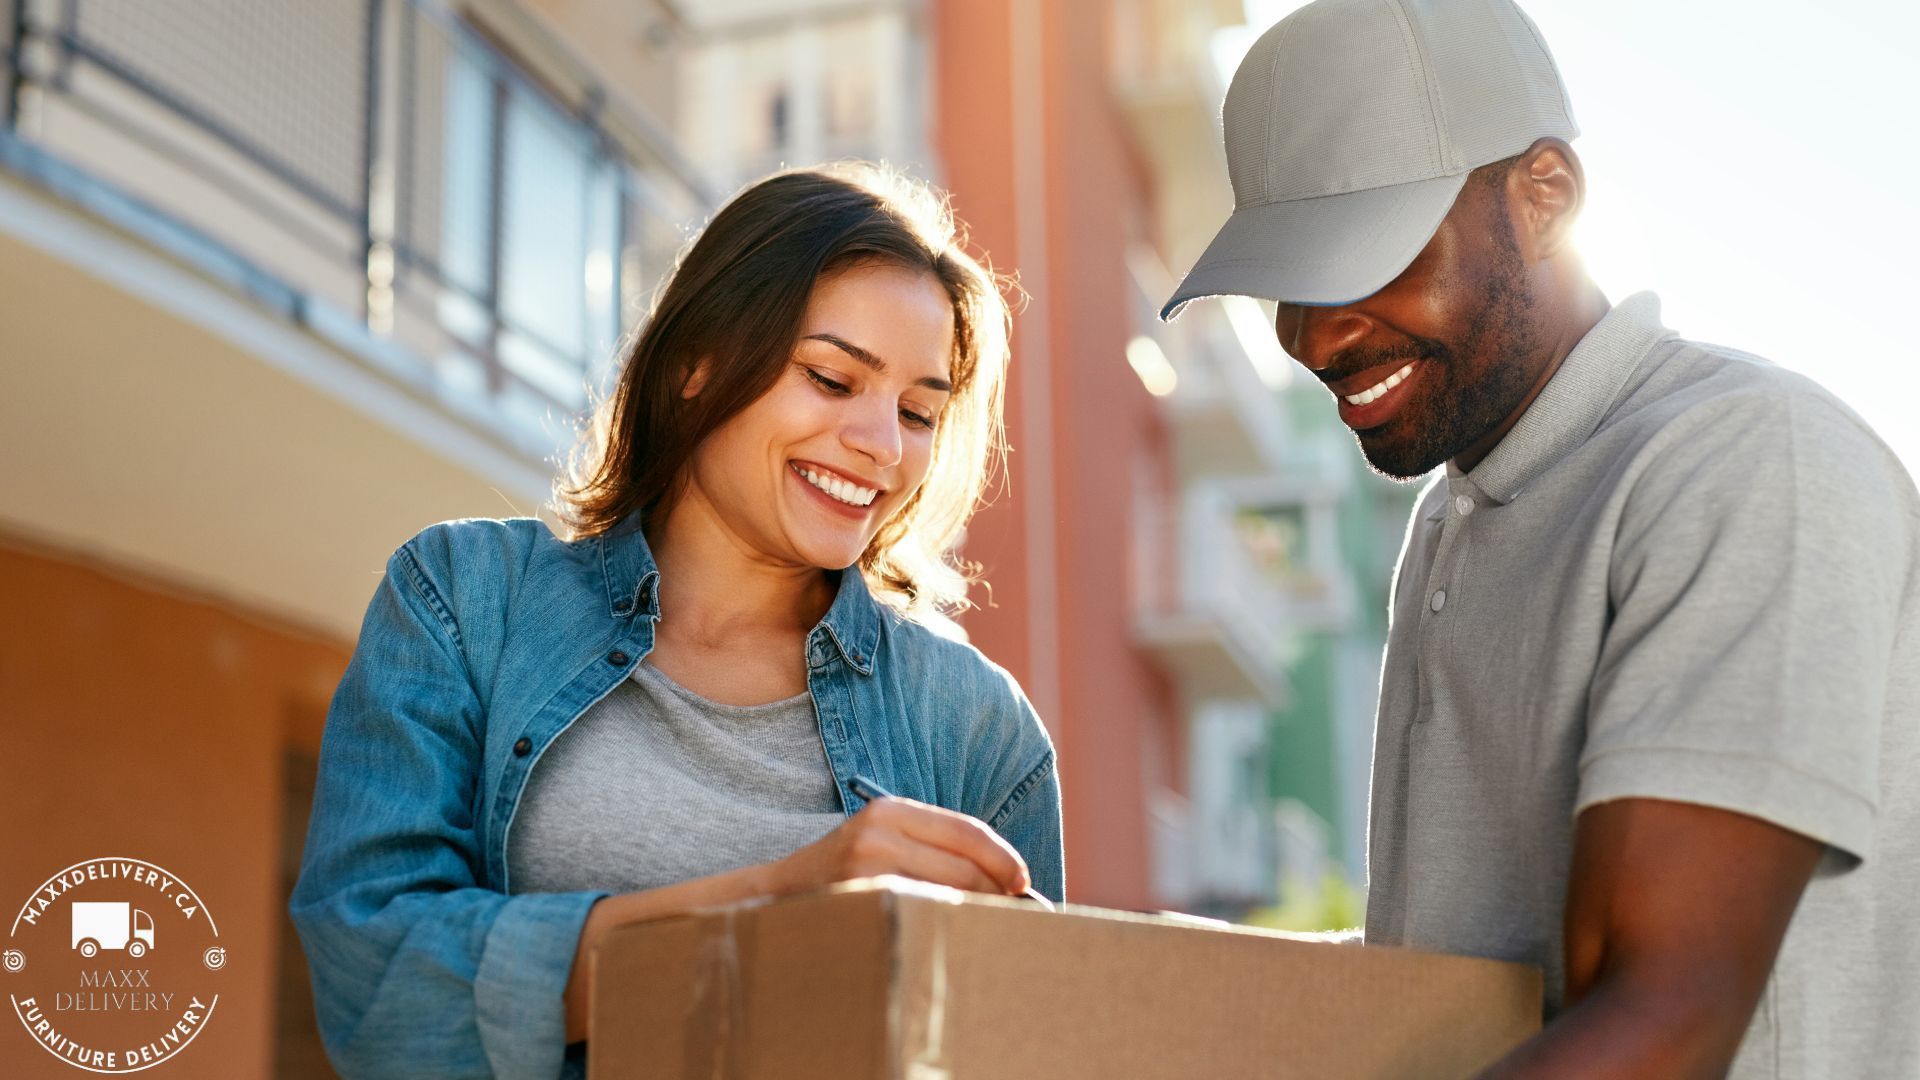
x=1453 y=417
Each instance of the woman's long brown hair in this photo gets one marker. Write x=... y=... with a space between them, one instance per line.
x=736 y=299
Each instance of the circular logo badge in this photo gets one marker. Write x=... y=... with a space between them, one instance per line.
x=113 y=965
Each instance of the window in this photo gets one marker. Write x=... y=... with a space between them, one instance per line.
x=532 y=268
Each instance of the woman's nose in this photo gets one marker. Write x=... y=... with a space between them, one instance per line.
x=872 y=428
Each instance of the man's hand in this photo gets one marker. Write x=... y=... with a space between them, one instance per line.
x=1674 y=915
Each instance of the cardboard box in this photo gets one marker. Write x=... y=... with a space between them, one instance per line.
x=894 y=980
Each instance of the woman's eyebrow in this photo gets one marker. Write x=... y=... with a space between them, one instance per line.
x=878 y=365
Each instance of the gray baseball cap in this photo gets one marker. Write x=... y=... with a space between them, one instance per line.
x=1351 y=126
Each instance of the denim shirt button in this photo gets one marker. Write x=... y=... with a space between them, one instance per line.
x=522 y=747
x=617 y=659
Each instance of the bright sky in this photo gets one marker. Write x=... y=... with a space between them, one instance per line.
x=1756 y=163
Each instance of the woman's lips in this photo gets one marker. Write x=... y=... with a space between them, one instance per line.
x=851 y=513
x=1383 y=408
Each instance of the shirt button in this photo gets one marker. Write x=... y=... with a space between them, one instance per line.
x=1463 y=504
x=521 y=747
x=617 y=659
x=1439 y=599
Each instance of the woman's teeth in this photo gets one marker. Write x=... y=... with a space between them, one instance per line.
x=851 y=494
x=1379 y=389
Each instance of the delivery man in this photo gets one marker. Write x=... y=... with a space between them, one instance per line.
x=1650 y=713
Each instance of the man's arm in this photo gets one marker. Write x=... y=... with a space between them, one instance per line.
x=1674 y=914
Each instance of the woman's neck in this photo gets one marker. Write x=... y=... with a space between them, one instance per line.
x=716 y=587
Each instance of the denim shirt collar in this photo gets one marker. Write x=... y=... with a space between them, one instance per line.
x=852 y=623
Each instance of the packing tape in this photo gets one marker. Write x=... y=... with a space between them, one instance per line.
x=925 y=1046
x=717 y=1021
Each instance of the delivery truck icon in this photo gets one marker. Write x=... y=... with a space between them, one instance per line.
x=112 y=925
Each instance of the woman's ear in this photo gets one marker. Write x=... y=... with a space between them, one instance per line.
x=694 y=379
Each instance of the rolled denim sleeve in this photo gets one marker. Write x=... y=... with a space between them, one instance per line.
x=1029 y=819
x=1013 y=782
x=417 y=969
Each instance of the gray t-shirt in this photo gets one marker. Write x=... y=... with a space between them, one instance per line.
x=656 y=785
x=1689 y=575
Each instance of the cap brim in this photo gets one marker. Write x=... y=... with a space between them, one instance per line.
x=1331 y=250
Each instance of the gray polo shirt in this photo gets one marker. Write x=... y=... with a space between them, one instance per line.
x=1685 y=574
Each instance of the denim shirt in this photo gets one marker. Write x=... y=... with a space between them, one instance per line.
x=483 y=642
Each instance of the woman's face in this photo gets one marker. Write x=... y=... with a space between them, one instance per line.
x=808 y=473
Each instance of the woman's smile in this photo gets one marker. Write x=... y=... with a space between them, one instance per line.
x=835 y=491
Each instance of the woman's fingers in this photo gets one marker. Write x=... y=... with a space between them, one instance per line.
x=959 y=835
x=924 y=862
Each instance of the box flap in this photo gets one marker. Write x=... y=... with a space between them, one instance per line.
x=996 y=990
x=793 y=989
x=879 y=981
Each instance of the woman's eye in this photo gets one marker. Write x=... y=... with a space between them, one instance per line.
x=840 y=389
x=826 y=384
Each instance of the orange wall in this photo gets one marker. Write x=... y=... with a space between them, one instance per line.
x=150 y=725
x=1115 y=719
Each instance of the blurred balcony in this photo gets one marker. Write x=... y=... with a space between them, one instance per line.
x=1223 y=366
x=1291 y=523
x=1203 y=605
x=1235 y=858
x=384 y=173
x=1168 y=89
x=287 y=282
x=1229 y=572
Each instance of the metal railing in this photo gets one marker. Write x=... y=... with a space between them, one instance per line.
x=390 y=160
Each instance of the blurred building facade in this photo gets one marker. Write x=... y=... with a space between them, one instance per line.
x=279 y=286
x=1123 y=597
x=771 y=83
x=1184 y=533
x=282 y=284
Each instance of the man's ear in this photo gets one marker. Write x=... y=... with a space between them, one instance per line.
x=694 y=379
x=1551 y=187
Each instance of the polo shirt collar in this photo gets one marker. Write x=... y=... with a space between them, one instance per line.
x=852 y=622
x=1573 y=402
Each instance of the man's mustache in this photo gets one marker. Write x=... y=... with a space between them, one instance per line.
x=1354 y=361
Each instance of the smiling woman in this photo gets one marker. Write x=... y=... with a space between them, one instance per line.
x=541 y=737
x=742 y=317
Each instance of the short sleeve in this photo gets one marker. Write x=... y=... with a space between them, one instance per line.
x=1756 y=584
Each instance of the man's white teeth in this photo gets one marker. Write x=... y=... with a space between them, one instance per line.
x=1379 y=389
x=851 y=494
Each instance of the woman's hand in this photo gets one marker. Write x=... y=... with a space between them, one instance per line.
x=887 y=836
x=912 y=839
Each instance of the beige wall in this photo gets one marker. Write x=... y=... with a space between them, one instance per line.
x=163 y=423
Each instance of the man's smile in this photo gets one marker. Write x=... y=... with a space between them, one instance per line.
x=1373 y=397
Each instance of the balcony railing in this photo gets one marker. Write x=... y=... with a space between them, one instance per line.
x=385 y=166
x=1202 y=599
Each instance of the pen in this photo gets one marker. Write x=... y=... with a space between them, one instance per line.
x=870 y=791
